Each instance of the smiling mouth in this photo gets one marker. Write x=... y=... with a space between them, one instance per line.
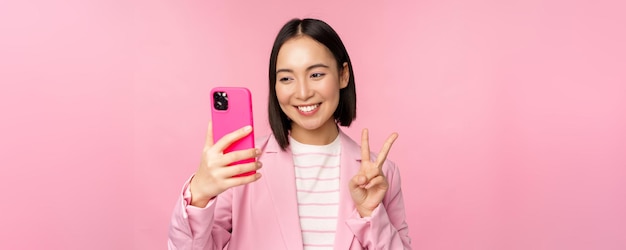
x=308 y=108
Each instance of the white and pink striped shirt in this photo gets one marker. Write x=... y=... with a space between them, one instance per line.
x=317 y=185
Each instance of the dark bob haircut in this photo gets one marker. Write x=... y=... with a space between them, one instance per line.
x=324 y=34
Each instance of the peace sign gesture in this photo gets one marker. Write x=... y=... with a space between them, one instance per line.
x=368 y=187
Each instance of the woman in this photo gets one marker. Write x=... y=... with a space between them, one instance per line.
x=320 y=189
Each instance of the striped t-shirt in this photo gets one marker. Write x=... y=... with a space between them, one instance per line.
x=317 y=184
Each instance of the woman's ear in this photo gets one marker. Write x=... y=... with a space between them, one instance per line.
x=345 y=76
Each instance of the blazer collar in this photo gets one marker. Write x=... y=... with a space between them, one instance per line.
x=279 y=175
x=281 y=182
x=350 y=164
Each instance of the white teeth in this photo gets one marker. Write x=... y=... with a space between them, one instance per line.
x=308 y=108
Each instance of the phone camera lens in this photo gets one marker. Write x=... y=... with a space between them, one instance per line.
x=220 y=100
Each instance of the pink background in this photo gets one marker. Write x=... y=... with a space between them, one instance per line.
x=511 y=114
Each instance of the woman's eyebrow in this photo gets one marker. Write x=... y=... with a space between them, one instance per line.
x=284 y=70
x=317 y=66
x=308 y=68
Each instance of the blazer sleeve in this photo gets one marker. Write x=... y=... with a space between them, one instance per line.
x=197 y=228
x=386 y=228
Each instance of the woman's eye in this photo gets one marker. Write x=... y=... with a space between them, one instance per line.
x=283 y=79
x=317 y=75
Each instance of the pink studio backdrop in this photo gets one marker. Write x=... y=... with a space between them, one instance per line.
x=511 y=114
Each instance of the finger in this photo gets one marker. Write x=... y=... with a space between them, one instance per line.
x=372 y=172
x=238 y=181
x=208 y=142
x=231 y=171
x=357 y=181
x=385 y=150
x=378 y=180
x=232 y=137
x=365 y=146
x=239 y=155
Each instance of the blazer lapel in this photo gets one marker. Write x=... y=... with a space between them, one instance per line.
x=350 y=164
x=280 y=178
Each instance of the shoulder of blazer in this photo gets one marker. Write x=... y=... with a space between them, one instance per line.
x=268 y=144
x=261 y=142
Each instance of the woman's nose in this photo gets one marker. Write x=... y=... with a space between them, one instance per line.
x=304 y=91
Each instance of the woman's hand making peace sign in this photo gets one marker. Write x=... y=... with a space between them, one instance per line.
x=368 y=187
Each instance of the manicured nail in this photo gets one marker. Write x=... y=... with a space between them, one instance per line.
x=247 y=128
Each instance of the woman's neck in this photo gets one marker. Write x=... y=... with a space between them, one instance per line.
x=323 y=135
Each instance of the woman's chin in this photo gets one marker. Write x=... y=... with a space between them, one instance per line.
x=312 y=125
x=307 y=126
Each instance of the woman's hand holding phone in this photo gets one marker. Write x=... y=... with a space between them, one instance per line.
x=214 y=174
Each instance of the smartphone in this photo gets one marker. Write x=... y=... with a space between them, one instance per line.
x=231 y=109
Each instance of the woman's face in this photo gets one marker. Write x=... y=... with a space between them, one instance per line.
x=308 y=83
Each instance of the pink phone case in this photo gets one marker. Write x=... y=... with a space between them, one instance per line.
x=231 y=109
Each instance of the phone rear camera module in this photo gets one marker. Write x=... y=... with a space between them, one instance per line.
x=220 y=100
